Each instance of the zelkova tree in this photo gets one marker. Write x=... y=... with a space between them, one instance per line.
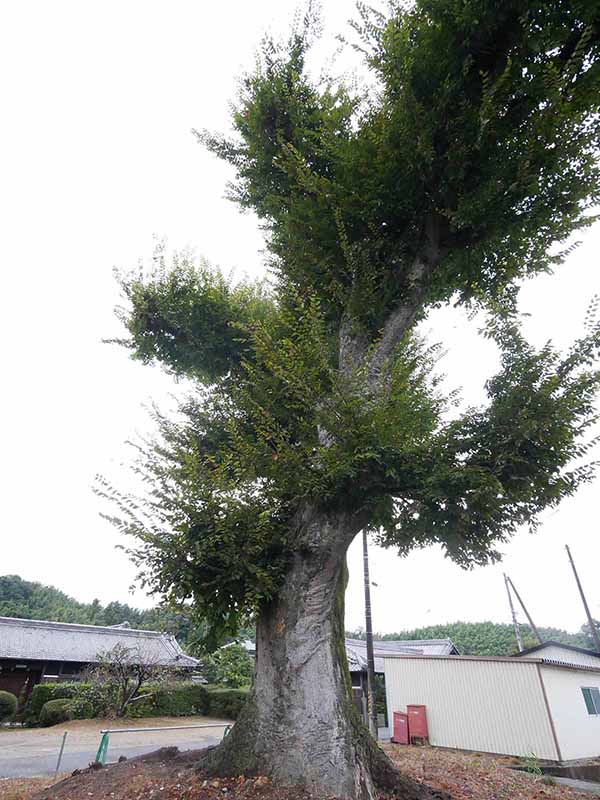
x=318 y=413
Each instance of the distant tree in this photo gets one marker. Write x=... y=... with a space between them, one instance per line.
x=586 y=634
x=459 y=174
x=230 y=665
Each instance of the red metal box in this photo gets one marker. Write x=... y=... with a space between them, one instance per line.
x=417 y=722
x=400 y=733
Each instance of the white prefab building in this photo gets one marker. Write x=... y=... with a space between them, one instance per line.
x=549 y=707
x=562 y=653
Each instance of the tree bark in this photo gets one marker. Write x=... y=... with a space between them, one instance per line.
x=300 y=726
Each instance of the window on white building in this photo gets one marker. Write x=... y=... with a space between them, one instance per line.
x=591 y=695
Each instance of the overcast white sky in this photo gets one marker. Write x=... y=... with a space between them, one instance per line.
x=97 y=159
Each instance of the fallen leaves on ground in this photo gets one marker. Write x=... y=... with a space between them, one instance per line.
x=23 y=788
x=171 y=776
x=475 y=776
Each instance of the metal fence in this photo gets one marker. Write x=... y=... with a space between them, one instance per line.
x=105 y=736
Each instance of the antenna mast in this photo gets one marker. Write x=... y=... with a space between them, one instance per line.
x=593 y=629
x=531 y=622
x=514 y=616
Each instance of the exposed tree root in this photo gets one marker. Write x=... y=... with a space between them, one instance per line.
x=237 y=755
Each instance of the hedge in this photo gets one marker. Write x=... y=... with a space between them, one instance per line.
x=88 y=701
x=177 y=701
x=8 y=705
x=185 y=699
x=55 y=711
x=226 y=703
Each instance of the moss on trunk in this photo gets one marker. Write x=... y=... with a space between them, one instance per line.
x=300 y=725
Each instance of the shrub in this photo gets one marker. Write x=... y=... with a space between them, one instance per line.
x=90 y=701
x=179 y=700
x=8 y=705
x=182 y=700
x=44 y=692
x=81 y=708
x=55 y=711
x=531 y=764
x=186 y=699
x=230 y=666
x=144 y=705
x=226 y=703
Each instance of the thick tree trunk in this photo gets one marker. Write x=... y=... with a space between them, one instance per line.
x=300 y=726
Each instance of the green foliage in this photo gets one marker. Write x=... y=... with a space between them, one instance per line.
x=496 y=468
x=481 y=638
x=88 y=700
x=531 y=764
x=462 y=174
x=121 y=673
x=587 y=637
x=189 y=699
x=8 y=705
x=19 y=598
x=43 y=693
x=183 y=700
x=229 y=478
x=55 y=711
x=54 y=703
x=177 y=700
x=195 y=318
x=226 y=703
x=482 y=130
x=230 y=665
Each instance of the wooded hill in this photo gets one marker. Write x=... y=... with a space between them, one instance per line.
x=31 y=600
x=485 y=638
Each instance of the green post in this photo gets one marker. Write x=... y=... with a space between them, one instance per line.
x=102 y=750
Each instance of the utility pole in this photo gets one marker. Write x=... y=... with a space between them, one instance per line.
x=372 y=711
x=593 y=629
x=514 y=616
x=531 y=622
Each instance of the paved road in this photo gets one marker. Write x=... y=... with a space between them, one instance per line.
x=45 y=763
x=28 y=753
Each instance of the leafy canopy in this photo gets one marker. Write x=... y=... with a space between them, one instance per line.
x=460 y=174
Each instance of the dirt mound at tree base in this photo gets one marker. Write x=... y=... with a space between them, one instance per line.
x=165 y=774
x=169 y=774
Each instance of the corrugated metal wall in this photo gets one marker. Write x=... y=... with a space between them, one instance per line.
x=491 y=706
x=578 y=731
